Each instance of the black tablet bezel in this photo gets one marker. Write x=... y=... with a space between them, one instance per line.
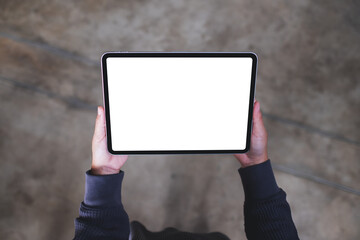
x=178 y=54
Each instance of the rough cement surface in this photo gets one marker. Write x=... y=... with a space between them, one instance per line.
x=308 y=85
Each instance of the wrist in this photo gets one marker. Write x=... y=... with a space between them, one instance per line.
x=103 y=170
x=251 y=161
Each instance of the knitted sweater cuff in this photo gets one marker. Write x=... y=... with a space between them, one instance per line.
x=258 y=181
x=104 y=190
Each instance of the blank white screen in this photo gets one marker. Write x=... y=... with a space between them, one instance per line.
x=178 y=103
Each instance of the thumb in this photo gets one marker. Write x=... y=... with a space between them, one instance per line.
x=258 y=123
x=99 y=132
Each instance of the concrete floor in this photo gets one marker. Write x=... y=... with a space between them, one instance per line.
x=308 y=84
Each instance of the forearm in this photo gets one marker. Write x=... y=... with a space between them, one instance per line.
x=102 y=215
x=266 y=211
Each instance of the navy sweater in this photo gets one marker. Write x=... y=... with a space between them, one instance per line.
x=266 y=211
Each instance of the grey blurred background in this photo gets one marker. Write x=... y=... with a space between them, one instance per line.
x=308 y=85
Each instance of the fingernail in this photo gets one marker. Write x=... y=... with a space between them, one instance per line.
x=98 y=110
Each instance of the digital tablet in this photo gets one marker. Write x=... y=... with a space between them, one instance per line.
x=178 y=102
